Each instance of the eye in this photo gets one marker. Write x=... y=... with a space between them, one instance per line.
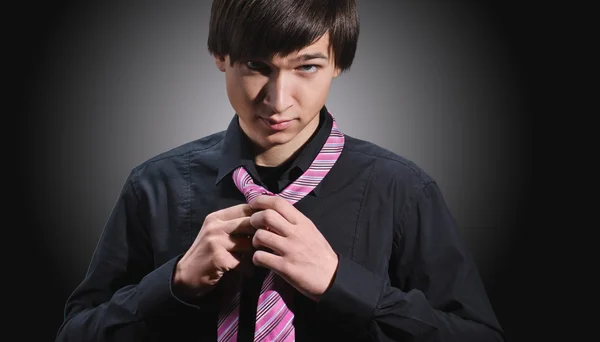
x=309 y=68
x=257 y=66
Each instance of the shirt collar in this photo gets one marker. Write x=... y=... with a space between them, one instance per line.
x=237 y=152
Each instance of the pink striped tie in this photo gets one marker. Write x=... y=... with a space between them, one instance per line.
x=274 y=317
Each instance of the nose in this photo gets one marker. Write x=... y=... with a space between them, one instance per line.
x=279 y=93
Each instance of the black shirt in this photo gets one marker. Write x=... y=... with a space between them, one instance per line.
x=404 y=272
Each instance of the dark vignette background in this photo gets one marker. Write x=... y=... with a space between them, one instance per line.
x=100 y=88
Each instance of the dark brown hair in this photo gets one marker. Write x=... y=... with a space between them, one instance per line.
x=262 y=29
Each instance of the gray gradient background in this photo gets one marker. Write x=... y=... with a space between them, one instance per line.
x=114 y=84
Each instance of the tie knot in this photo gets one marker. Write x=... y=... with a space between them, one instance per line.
x=251 y=192
x=307 y=182
x=246 y=185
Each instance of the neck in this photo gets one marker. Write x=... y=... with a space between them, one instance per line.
x=278 y=154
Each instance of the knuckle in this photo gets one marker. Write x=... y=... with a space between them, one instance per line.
x=212 y=242
x=220 y=259
x=210 y=217
x=210 y=228
x=269 y=216
x=265 y=236
x=214 y=225
x=210 y=223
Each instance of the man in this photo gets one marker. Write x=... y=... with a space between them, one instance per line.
x=280 y=228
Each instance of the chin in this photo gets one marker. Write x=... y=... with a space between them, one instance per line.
x=278 y=138
x=267 y=138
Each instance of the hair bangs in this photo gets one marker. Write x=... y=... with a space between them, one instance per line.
x=263 y=29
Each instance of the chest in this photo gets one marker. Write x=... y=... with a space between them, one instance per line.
x=353 y=216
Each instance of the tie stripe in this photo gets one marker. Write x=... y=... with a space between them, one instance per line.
x=236 y=302
x=274 y=319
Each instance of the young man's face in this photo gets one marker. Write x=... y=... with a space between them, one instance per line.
x=278 y=101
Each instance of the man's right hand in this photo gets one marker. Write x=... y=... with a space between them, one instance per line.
x=224 y=236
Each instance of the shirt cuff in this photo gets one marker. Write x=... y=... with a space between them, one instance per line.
x=352 y=297
x=156 y=297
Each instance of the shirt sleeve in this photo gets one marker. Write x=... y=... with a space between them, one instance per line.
x=433 y=291
x=122 y=289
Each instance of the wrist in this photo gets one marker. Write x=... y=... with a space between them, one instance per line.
x=331 y=275
x=181 y=285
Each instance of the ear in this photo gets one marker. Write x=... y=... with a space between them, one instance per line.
x=336 y=72
x=221 y=62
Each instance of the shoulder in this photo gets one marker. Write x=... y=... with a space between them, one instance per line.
x=387 y=164
x=176 y=161
x=393 y=177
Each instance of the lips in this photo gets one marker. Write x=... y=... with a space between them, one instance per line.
x=276 y=125
x=275 y=121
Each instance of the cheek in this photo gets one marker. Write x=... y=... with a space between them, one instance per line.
x=251 y=87
x=243 y=90
x=236 y=95
x=315 y=92
x=231 y=86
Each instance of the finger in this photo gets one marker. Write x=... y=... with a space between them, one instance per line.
x=238 y=227
x=238 y=244
x=269 y=219
x=230 y=213
x=270 y=240
x=227 y=261
x=279 y=204
x=268 y=260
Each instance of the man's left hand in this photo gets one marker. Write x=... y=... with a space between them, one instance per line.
x=299 y=253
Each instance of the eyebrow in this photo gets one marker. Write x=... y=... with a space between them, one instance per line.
x=309 y=56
